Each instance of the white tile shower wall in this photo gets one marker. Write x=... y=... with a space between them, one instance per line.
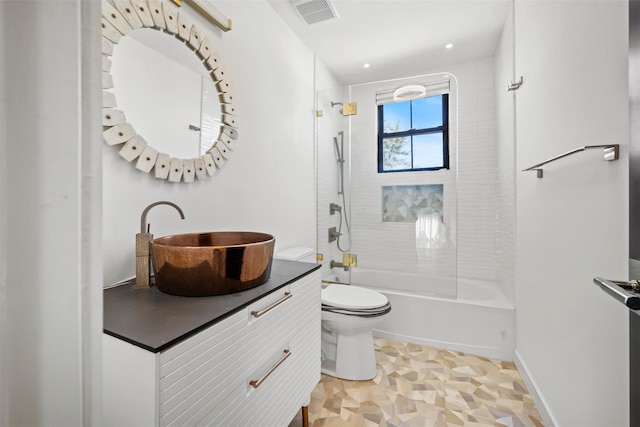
x=388 y=245
x=506 y=211
x=473 y=207
x=477 y=173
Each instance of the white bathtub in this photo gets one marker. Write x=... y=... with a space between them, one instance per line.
x=480 y=321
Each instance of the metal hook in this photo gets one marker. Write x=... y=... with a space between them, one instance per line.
x=516 y=85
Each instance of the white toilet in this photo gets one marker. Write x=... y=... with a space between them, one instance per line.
x=298 y=253
x=349 y=314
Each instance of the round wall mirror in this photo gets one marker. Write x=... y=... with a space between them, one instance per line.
x=167 y=101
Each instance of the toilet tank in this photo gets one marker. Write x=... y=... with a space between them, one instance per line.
x=298 y=253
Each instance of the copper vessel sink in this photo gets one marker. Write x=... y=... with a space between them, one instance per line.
x=215 y=263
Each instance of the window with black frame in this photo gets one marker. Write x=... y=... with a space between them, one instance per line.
x=413 y=135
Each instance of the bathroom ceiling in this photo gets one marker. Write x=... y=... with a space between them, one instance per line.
x=398 y=38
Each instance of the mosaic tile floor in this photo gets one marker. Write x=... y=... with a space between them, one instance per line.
x=425 y=386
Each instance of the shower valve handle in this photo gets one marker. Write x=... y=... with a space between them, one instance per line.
x=333 y=234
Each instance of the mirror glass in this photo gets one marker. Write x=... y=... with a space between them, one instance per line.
x=166 y=93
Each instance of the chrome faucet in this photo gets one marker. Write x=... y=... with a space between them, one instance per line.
x=348 y=261
x=336 y=264
x=143 y=249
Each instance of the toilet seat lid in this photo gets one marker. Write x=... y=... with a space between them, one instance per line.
x=352 y=297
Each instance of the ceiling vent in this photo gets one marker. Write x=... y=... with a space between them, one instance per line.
x=314 y=11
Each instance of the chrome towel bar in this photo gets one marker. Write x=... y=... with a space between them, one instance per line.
x=611 y=152
x=619 y=291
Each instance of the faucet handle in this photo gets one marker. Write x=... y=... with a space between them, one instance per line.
x=143 y=252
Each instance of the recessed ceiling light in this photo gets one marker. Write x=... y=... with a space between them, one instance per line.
x=366 y=65
x=449 y=45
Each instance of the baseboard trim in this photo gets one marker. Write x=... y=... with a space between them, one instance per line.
x=541 y=406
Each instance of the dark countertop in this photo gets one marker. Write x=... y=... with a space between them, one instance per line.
x=155 y=321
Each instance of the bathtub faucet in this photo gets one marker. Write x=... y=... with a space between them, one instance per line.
x=335 y=264
x=348 y=261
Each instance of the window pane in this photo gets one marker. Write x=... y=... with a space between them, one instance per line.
x=427 y=112
x=397 y=117
x=427 y=151
x=396 y=153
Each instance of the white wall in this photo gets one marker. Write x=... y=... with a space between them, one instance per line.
x=571 y=339
x=325 y=80
x=51 y=300
x=268 y=185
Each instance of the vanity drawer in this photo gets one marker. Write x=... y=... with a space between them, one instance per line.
x=195 y=377
x=303 y=295
x=185 y=355
x=194 y=372
x=270 y=333
x=285 y=386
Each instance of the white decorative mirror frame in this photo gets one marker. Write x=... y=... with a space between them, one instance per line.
x=161 y=15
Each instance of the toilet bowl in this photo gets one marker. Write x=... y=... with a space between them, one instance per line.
x=349 y=314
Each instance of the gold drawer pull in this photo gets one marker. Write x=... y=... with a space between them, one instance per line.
x=259 y=313
x=256 y=383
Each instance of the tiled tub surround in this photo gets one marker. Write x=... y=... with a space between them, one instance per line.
x=172 y=360
x=422 y=386
x=470 y=200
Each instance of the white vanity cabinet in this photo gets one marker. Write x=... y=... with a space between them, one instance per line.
x=256 y=367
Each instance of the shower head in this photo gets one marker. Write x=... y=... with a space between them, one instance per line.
x=339 y=146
